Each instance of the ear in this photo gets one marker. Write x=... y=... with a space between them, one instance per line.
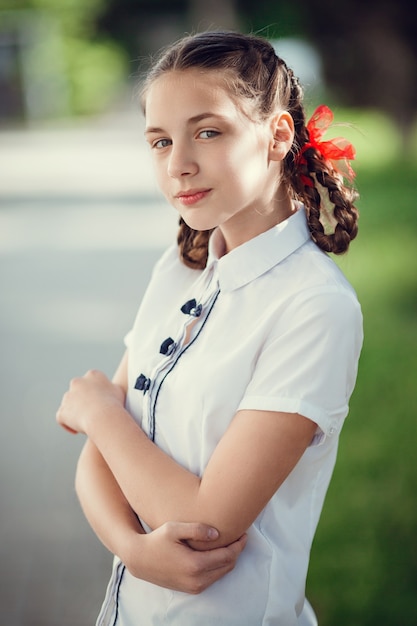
x=282 y=129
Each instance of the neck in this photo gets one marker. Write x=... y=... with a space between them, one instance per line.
x=255 y=221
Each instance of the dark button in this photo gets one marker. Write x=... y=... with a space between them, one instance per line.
x=142 y=383
x=168 y=346
x=192 y=308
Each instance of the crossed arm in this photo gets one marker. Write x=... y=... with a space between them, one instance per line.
x=248 y=465
x=163 y=556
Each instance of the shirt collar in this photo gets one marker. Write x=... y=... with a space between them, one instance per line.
x=258 y=255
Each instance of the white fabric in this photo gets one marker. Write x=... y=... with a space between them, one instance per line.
x=281 y=330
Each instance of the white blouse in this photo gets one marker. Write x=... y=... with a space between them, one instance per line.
x=275 y=327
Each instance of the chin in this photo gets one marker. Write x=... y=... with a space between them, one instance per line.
x=197 y=223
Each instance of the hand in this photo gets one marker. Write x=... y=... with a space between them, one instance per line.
x=89 y=395
x=163 y=557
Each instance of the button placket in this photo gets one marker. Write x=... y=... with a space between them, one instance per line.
x=192 y=308
x=168 y=346
x=142 y=383
x=172 y=350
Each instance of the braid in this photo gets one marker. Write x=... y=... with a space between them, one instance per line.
x=252 y=70
x=332 y=217
x=331 y=214
x=193 y=245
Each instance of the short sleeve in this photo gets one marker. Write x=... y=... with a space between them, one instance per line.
x=166 y=260
x=169 y=278
x=309 y=361
x=127 y=339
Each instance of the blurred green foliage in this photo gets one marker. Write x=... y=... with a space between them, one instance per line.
x=272 y=20
x=97 y=74
x=63 y=38
x=77 y=15
x=364 y=561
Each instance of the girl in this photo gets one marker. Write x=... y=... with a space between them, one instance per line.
x=221 y=425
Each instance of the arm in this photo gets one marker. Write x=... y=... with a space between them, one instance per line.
x=101 y=499
x=259 y=449
x=254 y=457
x=163 y=556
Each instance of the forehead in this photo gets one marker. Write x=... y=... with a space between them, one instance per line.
x=185 y=93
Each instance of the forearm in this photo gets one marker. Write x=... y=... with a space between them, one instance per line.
x=104 y=505
x=161 y=557
x=157 y=488
x=246 y=468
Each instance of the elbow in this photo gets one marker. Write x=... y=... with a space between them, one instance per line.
x=227 y=537
x=82 y=470
x=231 y=524
x=78 y=480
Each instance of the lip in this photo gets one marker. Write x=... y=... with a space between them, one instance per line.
x=192 y=196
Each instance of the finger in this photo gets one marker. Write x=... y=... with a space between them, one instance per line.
x=59 y=417
x=238 y=545
x=97 y=375
x=234 y=550
x=192 y=531
x=60 y=420
x=212 y=570
x=222 y=559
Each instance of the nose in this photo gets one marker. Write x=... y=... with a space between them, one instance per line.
x=181 y=161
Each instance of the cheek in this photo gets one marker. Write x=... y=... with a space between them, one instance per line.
x=160 y=174
x=247 y=159
x=230 y=167
x=243 y=173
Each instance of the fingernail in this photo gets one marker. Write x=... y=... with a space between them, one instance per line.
x=213 y=533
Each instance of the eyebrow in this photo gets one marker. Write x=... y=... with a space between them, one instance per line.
x=193 y=120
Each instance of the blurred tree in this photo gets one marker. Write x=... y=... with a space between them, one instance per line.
x=203 y=15
x=61 y=55
x=144 y=26
x=77 y=16
x=272 y=19
x=369 y=54
x=368 y=49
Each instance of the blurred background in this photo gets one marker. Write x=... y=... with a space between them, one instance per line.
x=81 y=224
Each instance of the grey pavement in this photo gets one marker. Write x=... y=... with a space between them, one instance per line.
x=81 y=224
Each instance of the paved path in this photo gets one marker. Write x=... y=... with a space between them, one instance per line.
x=81 y=225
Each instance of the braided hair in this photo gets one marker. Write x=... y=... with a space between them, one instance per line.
x=252 y=70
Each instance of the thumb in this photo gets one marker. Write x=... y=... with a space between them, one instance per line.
x=193 y=531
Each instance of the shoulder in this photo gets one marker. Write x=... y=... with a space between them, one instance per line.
x=170 y=279
x=312 y=292
x=312 y=272
x=168 y=258
x=170 y=267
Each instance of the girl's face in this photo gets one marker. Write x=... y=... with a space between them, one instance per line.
x=216 y=166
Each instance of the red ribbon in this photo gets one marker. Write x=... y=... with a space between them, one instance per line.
x=338 y=149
